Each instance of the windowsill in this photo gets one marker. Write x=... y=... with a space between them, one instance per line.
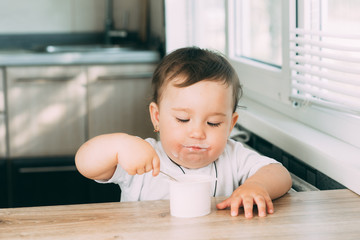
x=335 y=158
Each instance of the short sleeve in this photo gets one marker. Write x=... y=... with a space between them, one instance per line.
x=248 y=160
x=117 y=177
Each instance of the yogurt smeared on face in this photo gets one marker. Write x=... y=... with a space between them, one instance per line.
x=196 y=147
x=191 y=155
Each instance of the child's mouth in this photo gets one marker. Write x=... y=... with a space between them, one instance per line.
x=197 y=148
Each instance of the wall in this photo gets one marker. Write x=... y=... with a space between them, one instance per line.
x=54 y=16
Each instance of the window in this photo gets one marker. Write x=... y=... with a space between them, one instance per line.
x=258 y=36
x=195 y=23
x=257 y=39
x=277 y=88
x=209 y=24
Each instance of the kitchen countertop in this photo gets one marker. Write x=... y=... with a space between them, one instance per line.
x=27 y=58
x=327 y=215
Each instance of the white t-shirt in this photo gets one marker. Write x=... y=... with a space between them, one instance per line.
x=232 y=168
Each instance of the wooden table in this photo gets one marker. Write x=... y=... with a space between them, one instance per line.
x=305 y=215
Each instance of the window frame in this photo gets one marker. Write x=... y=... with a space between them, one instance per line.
x=271 y=86
x=252 y=72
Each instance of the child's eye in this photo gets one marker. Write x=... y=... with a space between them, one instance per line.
x=182 y=120
x=214 y=124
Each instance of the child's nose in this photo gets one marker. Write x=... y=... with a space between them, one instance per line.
x=197 y=131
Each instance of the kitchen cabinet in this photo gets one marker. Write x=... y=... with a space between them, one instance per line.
x=2 y=97
x=40 y=181
x=103 y=192
x=2 y=136
x=119 y=96
x=3 y=183
x=46 y=110
x=3 y=165
x=51 y=111
x=2 y=116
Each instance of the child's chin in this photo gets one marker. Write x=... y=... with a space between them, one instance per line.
x=195 y=162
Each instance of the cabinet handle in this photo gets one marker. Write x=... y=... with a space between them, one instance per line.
x=47 y=169
x=125 y=76
x=44 y=79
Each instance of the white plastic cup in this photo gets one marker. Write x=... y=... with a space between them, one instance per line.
x=190 y=196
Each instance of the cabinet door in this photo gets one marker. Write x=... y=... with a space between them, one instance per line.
x=46 y=110
x=119 y=97
x=3 y=184
x=2 y=136
x=47 y=181
x=2 y=117
x=42 y=181
x=2 y=91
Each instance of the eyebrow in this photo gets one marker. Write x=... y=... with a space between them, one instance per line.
x=188 y=110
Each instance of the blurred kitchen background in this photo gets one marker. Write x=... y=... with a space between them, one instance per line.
x=35 y=24
x=74 y=69
x=71 y=70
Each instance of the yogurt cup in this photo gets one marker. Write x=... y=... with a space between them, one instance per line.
x=190 y=196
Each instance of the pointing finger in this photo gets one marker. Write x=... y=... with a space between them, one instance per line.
x=224 y=204
x=156 y=165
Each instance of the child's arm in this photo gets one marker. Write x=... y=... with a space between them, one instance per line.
x=269 y=182
x=97 y=158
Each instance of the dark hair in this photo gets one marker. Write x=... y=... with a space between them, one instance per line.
x=194 y=65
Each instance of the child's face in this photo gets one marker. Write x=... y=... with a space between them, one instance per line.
x=194 y=122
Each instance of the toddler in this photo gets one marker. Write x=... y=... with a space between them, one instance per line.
x=195 y=97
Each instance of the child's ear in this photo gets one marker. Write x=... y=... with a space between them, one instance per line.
x=234 y=119
x=154 y=114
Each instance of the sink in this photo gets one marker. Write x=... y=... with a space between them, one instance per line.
x=86 y=48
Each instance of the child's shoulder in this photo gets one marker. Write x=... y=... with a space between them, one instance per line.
x=156 y=144
x=234 y=144
x=235 y=147
x=152 y=141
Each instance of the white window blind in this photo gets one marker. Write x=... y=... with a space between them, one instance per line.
x=325 y=69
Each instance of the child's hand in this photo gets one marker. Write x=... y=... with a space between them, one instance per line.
x=138 y=157
x=247 y=195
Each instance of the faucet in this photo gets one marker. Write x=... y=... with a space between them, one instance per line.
x=109 y=21
x=109 y=24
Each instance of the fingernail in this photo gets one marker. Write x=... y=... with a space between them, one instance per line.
x=233 y=213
